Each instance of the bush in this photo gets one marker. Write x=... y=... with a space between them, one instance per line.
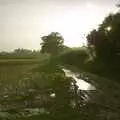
x=76 y=56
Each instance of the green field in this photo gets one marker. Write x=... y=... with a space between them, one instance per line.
x=12 y=73
x=12 y=70
x=21 y=86
x=20 y=61
x=16 y=82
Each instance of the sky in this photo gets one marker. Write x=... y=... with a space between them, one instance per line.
x=24 y=22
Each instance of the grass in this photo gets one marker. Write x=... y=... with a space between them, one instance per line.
x=12 y=70
x=21 y=83
x=12 y=73
x=21 y=61
x=44 y=77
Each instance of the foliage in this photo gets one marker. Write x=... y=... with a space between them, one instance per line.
x=106 y=38
x=82 y=59
x=52 y=43
x=74 y=56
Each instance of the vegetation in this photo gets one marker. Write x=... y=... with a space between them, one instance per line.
x=52 y=44
x=106 y=38
x=21 y=54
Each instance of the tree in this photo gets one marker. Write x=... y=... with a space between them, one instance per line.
x=106 y=39
x=52 y=43
x=112 y=27
x=99 y=41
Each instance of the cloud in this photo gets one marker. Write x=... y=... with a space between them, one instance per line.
x=7 y=2
x=59 y=2
x=75 y=2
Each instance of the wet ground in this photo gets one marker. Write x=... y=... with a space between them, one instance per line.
x=42 y=93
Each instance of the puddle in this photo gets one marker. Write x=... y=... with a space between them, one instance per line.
x=82 y=84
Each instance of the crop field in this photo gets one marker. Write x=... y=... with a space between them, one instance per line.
x=13 y=75
x=12 y=70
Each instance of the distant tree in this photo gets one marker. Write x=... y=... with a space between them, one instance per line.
x=21 y=51
x=106 y=39
x=52 y=43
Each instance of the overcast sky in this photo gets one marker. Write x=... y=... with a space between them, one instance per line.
x=22 y=22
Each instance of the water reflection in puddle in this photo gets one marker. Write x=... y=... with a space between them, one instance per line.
x=82 y=84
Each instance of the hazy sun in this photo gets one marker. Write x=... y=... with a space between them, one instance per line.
x=75 y=24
